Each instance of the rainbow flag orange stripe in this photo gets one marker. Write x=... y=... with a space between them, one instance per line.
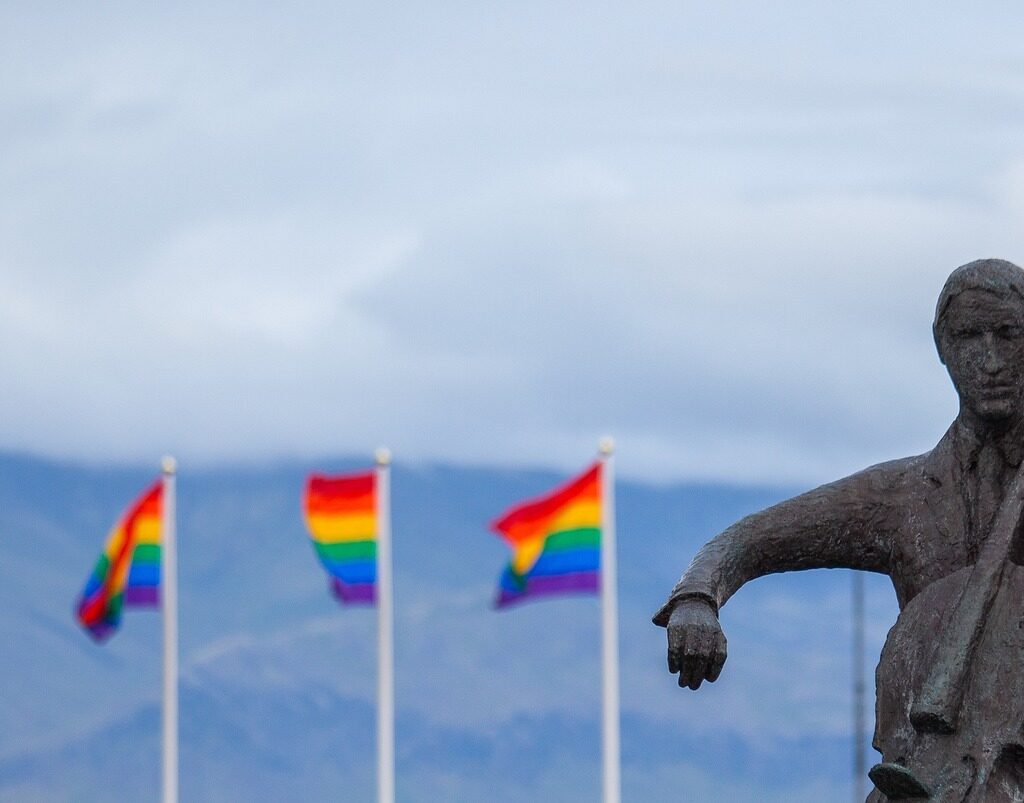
x=555 y=541
x=341 y=514
x=128 y=571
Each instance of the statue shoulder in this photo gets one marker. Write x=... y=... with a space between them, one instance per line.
x=892 y=476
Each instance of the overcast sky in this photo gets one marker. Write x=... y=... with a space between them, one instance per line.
x=492 y=233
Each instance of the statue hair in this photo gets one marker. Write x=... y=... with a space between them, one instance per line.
x=997 y=276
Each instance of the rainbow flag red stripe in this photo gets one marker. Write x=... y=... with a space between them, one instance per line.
x=555 y=541
x=128 y=571
x=341 y=514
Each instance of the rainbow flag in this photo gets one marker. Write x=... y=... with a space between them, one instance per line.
x=128 y=571
x=341 y=514
x=555 y=541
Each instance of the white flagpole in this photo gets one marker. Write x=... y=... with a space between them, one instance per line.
x=169 y=605
x=385 y=636
x=859 y=757
x=609 y=628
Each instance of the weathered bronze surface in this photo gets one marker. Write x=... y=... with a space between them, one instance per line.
x=945 y=527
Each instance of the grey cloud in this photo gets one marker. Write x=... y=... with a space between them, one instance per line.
x=491 y=235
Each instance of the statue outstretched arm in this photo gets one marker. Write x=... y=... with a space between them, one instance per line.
x=846 y=524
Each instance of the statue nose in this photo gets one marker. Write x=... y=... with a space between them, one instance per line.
x=993 y=361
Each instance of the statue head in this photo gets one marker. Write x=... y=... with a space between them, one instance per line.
x=979 y=332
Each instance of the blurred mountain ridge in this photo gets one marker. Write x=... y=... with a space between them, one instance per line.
x=278 y=681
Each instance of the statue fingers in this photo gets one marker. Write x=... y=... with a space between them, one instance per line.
x=716 y=663
x=716 y=651
x=690 y=676
x=708 y=656
x=687 y=665
x=692 y=665
x=676 y=648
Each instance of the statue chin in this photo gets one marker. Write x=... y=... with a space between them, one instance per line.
x=996 y=411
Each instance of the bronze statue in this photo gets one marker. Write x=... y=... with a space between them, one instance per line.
x=945 y=527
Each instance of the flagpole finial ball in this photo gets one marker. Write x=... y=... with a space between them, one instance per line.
x=606 y=445
x=169 y=465
x=383 y=456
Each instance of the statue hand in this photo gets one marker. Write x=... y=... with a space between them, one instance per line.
x=696 y=643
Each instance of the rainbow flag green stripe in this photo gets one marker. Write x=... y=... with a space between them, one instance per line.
x=579 y=538
x=346 y=551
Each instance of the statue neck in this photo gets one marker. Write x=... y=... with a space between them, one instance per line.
x=1006 y=433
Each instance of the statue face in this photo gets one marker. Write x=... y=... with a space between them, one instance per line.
x=983 y=348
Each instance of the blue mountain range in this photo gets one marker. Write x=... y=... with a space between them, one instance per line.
x=277 y=687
